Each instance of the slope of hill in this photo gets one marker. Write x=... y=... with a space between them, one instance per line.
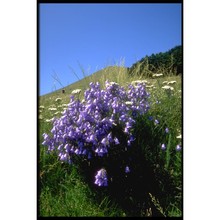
x=112 y=73
x=168 y=63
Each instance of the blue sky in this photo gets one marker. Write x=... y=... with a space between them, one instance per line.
x=93 y=36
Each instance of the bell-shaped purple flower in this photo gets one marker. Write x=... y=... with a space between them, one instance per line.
x=127 y=169
x=163 y=147
x=116 y=140
x=101 y=178
x=156 y=121
x=178 y=148
x=104 y=141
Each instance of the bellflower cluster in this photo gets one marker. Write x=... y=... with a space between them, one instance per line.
x=85 y=128
x=101 y=178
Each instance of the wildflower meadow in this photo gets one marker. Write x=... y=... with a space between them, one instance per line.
x=112 y=146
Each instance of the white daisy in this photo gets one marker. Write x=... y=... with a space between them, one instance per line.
x=168 y=87
x=76 y=91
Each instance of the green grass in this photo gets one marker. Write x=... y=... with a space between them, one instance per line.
x=65 y=192
x=62 y=191
x=71 y=196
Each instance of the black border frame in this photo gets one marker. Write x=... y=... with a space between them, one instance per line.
x=38 y=2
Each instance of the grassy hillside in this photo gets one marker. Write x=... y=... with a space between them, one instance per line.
x=154 y=186
x=115 y=73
